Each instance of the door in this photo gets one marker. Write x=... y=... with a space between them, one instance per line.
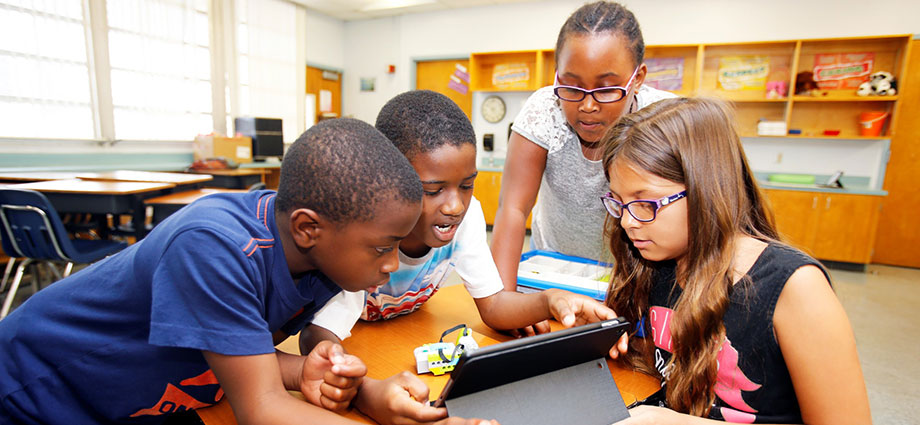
x=322 y=83
x=437 y=76
x=898 y=228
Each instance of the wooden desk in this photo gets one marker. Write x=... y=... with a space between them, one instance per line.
x=178 y=179
x=238 y=178
x=100 y=197
x=386 y=347
x=166 y=205
x=36 y=176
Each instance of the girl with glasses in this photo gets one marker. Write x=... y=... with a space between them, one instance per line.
x=554 y=148
x=739 y=326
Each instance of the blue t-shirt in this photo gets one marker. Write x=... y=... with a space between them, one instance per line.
x=121 y=340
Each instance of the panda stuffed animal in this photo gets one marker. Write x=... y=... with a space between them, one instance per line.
x=880 y=83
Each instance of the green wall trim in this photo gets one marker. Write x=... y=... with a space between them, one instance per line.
x=13 y=162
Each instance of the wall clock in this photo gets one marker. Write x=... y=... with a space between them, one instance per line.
x=493 y=109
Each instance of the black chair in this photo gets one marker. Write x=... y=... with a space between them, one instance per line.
x=33 y=232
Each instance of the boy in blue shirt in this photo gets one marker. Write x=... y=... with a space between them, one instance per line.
x=438 y=140
x=193 y=312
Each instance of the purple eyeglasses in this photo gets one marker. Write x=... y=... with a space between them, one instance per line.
x=601 y=94
x=644 y=210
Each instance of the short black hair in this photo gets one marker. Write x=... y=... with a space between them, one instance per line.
x=344 y=169
x=600 y=17
x=421 y=121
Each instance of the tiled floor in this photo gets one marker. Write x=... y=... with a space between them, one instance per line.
x=883 y=305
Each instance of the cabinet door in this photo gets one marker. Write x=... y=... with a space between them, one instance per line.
x=796 y=214
x=846 y=227
x=486 y=189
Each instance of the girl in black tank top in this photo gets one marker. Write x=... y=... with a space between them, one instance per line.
x=740 y=327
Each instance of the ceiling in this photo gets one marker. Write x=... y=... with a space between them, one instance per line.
x=349 y=10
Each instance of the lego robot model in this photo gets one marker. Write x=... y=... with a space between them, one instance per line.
x=441 y=357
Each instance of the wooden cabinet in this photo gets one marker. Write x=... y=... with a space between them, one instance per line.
x=703 y=66
x=512 y=71
x=486 y=189
x=829 y=226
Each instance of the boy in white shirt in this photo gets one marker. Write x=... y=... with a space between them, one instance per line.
x=438 y=139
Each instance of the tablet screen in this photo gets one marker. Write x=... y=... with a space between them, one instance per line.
x=512 y=361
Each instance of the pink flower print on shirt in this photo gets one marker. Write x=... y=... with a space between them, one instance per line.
x=730 y=379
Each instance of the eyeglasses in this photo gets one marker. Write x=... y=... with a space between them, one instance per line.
x=644 y=210
x=601 y=94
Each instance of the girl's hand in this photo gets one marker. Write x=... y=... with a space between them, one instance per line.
x=651 y=415
x=330 y=377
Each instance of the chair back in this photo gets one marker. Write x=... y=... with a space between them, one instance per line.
x=31 y=228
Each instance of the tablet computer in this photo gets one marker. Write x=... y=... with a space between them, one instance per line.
x=508 y=362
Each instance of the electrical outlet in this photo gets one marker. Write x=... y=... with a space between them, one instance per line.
x=779 y=158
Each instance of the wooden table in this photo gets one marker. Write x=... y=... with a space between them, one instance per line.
x=166 y=205
x=386 y=347
x=100 y=197
x=36 y=176
x=237 y=178
x=178 y=179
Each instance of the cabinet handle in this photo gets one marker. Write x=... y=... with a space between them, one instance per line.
x=827 y=205
x=814 y=202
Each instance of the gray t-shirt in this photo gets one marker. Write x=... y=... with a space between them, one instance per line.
x=568 y=217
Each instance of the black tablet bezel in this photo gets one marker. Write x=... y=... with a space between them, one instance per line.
x=511 y=361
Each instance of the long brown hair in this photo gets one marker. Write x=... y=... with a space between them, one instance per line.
x=690 y=142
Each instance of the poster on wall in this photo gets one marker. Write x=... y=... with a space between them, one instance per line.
x=665 y=73
x=456 y=84
x=842 y=71
x=368 y=83
x=511 y=76
x=743 y=72
x=461 y=73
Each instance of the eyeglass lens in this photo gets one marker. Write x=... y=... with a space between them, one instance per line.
x=640 y=210
x=575 y=94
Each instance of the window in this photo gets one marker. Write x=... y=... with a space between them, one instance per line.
x=148 y=70
x=160 y=68
x=267 y=59
x=44 y=76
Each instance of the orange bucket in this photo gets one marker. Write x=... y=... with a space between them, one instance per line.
x=870 y=123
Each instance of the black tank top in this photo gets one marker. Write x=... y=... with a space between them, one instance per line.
x=753 y=384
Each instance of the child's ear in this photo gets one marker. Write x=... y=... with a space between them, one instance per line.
x=306 y=227
x=640 y=76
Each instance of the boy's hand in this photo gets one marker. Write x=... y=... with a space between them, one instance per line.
x=575 y=310
x=330 y=377
x=403 y=399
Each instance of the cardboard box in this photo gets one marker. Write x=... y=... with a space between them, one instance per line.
x=236 y=149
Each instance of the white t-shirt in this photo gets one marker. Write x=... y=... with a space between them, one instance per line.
x=419 y=278
x=568 y=216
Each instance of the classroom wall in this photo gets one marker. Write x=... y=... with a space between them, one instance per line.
x=325 y=40
x=370 y=45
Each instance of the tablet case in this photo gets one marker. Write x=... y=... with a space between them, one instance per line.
x=545 y=379
x=583 y=394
